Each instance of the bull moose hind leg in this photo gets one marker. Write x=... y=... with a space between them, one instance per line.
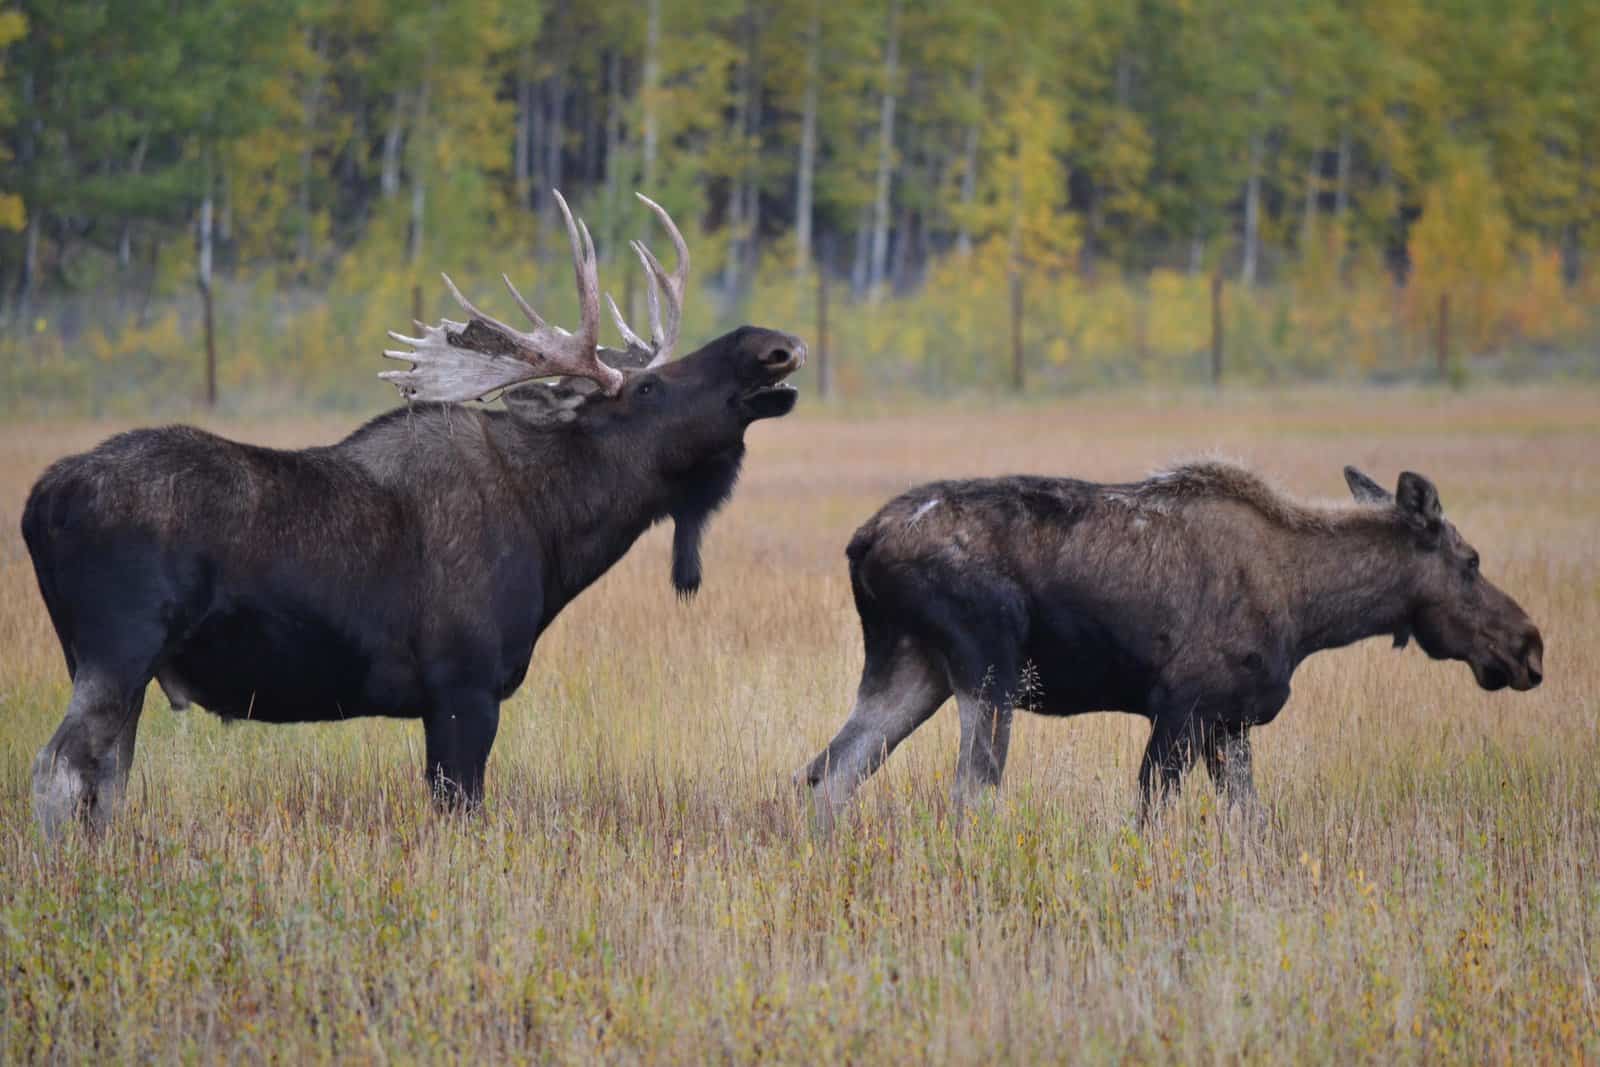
x=82 y=772
x=901 y=686
x=460 y=731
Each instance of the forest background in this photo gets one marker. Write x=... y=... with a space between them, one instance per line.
x=232 y=200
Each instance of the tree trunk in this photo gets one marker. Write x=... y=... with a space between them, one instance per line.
x=522 y=149
x=1442 y=340
x=1341 y=189
x=310 y=106
x=1308 y=218
x=969 y=166
x=1252 y=214
x=858 y=268
x=554 y=133
x=648 y=91
x=419 y=186
x=880 y=215
x=125 y=239
x=30 y=269
x=393 y=140
x=805 y=172
x=203 y=278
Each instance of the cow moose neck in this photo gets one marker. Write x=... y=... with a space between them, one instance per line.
x=1350 y=580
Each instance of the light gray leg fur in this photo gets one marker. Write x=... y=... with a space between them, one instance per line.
x=891 y=702
x=82 y=772
x=985 y=740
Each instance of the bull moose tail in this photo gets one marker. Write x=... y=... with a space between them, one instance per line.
x=36 y=535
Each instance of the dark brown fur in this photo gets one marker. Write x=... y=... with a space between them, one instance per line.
x=406 y=571
x=1189 y=598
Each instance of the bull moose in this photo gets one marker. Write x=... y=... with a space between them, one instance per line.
x=1188 y=598
x=408 y=570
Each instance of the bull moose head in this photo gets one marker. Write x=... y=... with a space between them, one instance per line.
x=681 y=421
x=1455 y=613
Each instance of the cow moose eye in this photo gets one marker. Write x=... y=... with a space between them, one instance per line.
x=645 y=388
x=1472 y=564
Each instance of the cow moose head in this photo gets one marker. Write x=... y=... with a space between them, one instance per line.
x=1456 y=613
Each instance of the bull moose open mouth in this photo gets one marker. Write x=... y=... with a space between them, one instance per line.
x=774 y=397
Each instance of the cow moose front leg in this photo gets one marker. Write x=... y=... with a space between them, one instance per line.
x=1168 y=756
x=986 y=713
x=460 y=731
x=1226 y=748
x=82 y=771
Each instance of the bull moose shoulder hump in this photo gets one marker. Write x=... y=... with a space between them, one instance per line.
x=1189 y=598
x=407 y=570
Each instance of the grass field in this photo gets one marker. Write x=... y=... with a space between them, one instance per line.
x=643 y=886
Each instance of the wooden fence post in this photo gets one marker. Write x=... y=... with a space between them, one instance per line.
x=1018 y=367
x=1442 y=341
x=1216 y=330
x=824 y=366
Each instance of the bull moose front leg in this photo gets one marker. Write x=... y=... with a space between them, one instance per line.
x=460 y=731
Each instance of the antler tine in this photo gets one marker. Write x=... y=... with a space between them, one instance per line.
x=666 y=316
x=632 y=339
x=527 y=308
x=467 y=306
x=587 y=272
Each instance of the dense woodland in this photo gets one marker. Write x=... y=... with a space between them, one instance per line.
x=1347 y=167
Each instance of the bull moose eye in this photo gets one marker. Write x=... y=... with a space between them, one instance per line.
x=1472 y=564
x=646 y=388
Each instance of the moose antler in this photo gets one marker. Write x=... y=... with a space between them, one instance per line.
x=664 y=320
x=456 y=361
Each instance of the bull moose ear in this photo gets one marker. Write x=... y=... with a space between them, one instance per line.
x=1364 y=489
x=549 y=403
x=1418 y=500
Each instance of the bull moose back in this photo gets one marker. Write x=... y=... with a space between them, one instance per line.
x=407 y=570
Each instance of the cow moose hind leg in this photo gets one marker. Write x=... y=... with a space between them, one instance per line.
x=81 y=774
x=901 y=686
x=460 y=731
x=1226 y=749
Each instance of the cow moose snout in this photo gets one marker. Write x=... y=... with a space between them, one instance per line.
x=1533 y=658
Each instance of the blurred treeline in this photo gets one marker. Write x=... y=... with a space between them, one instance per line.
x=312 y=164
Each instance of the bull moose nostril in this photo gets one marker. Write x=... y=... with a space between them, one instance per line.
x=777 y=355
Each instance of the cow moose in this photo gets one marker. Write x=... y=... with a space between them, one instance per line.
x=1188 y=598
x=408 y=570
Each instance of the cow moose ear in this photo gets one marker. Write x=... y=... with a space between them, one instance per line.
x=549 y=403
x=1364 y=489
x=1418 y=500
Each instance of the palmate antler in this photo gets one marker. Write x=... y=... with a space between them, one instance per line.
x=456 y=361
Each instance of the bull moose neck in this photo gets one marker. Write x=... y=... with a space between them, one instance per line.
x=577 y=496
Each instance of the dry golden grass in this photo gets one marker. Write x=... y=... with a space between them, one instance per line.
x=642 y=886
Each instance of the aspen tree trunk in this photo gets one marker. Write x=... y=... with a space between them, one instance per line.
x=1308 y=218
x=522 y=151
x=419 y=186
x=203 y=279
x=1341 y=189
x=125 y=240
x=969 y=171
x=393 y=139
x=648 y=91
x=805 y=171
x=311 y=106
x=1252 y=214
x=880 y=214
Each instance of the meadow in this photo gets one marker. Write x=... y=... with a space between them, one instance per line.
x=643 y=885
